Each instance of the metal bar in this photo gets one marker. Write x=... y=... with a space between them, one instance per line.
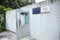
x=17 y=21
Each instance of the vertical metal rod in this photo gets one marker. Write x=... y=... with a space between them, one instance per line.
x=17 y=21
x=18 y=24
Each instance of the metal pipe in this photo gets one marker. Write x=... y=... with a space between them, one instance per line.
x=17 y=21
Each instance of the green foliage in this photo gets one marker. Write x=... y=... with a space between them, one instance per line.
x=8 y=9
x=2 y=23
x=23 y=3
x=12 y=4
x=2 y=9
x=2 y=19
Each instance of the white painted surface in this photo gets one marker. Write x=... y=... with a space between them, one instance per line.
x=11 y=20
x=37 y=1
x=44 y=26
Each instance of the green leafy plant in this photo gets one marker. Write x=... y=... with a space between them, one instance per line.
x=2 y=23
x=2 y=17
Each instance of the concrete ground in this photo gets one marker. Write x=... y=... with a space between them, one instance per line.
x=7 y=36
x=10 y=36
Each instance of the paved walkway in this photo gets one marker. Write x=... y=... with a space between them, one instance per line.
x=10 y=36
x=7 y=36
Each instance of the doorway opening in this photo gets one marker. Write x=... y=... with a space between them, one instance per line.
x=24 y=25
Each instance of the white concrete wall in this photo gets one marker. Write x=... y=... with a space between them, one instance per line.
x=44 y=26
x=58 y=10
x=48 y=28
x=11 y=20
